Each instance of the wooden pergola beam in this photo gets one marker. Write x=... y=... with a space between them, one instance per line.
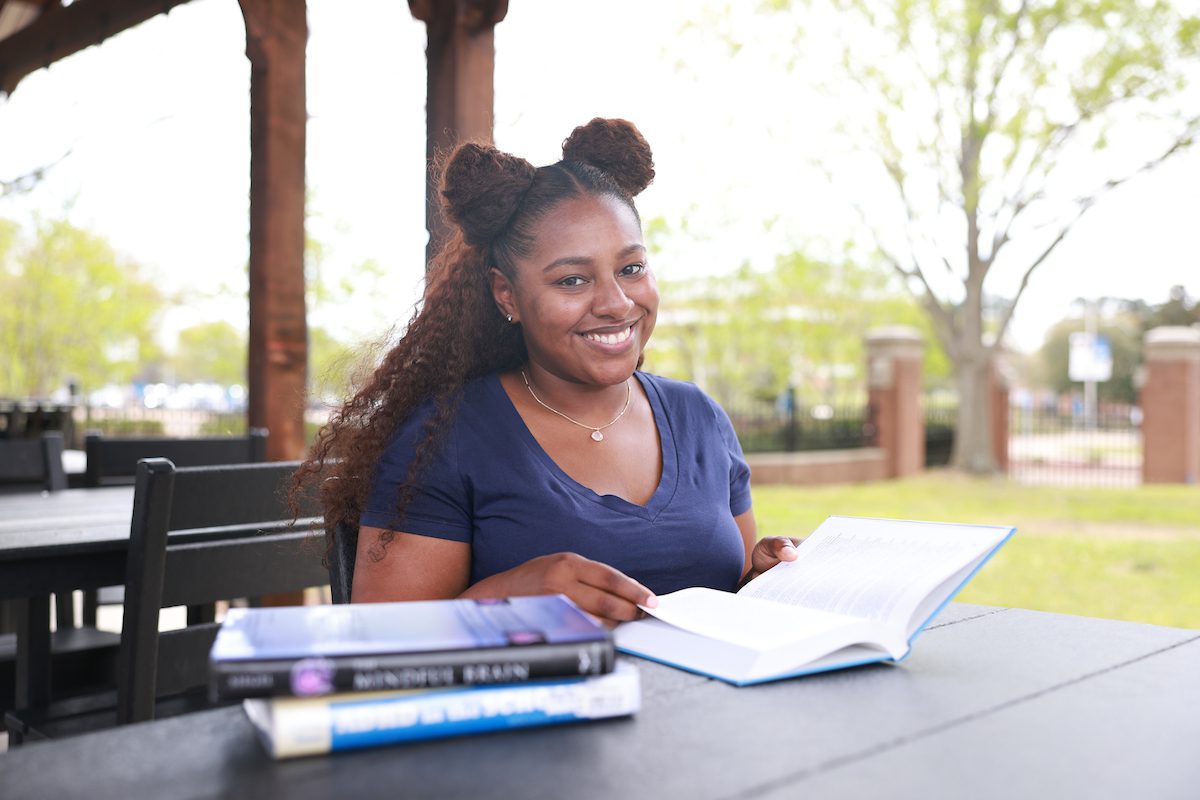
x=63 y=31
x=276 y=36
x=461 y=59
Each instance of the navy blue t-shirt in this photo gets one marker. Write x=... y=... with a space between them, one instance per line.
x=492 y=485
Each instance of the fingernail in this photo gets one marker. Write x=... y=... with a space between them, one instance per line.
x=789 y=543
x=651 y=602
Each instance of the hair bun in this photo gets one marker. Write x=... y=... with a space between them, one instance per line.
x=481 y=189
x=616 y=147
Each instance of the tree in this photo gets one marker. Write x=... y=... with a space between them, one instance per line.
x=1179 y=309
x=994 y=122
x=211 y=351
x=753 y=334
x=73 y=311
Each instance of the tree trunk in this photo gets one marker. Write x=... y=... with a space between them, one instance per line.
x=972 y=438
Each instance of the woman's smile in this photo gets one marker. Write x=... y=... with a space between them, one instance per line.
x=616 y=339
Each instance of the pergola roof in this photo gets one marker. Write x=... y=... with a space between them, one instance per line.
x=36 y=33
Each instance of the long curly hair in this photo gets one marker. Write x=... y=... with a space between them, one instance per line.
x=493 y=201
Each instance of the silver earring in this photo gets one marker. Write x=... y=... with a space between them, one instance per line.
x=508 y=318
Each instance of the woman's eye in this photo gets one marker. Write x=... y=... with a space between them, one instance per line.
x=633 y=269
x=572 y=280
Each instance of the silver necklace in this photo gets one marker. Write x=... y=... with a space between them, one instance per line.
x=597 y=436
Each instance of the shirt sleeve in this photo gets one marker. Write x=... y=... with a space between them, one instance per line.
x=441 y=506
x=739 y=470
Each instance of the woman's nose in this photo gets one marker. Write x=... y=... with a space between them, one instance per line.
x=610 y=300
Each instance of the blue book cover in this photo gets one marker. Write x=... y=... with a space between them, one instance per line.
x=315 y=650
x=860 y=591
x=290 y=727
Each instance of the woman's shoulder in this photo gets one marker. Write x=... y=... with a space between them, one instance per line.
x=679 y=394
x=475 y=397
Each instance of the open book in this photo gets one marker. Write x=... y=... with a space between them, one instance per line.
x=859 y=592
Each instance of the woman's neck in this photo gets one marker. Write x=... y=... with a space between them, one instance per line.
x=586 y=402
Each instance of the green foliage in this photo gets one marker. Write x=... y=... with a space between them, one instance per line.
x=1128 y=554
x=1179 y=309
x=211 y=351
x=748 y=335
x=332 y=366
x=1125 y=339
x=224 y=425
x=73 y=311
x=117 y=428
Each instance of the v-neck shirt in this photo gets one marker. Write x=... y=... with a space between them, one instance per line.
x=491 y=484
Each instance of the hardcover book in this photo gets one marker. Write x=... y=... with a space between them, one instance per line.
x=294 y=726
x=317 y=650
x=859 y=592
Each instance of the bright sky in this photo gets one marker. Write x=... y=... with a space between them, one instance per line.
x=156 y=122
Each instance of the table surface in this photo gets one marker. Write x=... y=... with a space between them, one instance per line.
x=991 y=703
x=33 y=524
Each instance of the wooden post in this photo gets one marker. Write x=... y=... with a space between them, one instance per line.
x=276 y=35
x=460 y=62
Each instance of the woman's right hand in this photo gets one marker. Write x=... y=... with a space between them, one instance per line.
x=602 y=591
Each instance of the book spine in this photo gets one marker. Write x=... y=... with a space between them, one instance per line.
x=238 y=680
x=292 y=727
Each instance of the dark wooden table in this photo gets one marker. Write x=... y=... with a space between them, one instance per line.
x=993 y=703
x=56 y=542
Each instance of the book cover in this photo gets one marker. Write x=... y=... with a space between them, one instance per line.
x=860 y=591
x=290 y=727
x=318 y=650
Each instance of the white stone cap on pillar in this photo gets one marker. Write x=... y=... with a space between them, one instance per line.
x=1172 y=343
x=896 y=341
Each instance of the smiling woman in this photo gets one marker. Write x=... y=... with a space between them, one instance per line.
x=508 y=444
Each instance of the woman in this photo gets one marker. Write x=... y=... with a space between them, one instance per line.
x=507 y=445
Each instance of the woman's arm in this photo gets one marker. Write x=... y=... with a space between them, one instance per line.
x=414 y=567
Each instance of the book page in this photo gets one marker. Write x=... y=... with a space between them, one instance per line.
x=874 y=569
x=750 y=623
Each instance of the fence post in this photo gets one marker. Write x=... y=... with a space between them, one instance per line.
x=894 y=360
x=1171 y=406
x=998 y=385
x=791 y=435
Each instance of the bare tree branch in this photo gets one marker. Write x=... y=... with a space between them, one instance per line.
x=1002 y=65
x=1085 y=203
x=25 y=183
x=943 y=319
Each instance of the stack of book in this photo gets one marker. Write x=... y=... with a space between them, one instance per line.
x=317 y=679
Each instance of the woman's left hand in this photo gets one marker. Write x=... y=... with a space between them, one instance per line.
x=767 y=553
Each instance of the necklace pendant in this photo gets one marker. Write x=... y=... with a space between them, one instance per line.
x=597 y=436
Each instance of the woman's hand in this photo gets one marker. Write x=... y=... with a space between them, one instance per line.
x=598 y=589
x=767 y=553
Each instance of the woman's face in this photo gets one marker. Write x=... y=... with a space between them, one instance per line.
x=585 y=296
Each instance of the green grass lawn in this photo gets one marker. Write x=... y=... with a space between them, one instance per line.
x=1131 y=554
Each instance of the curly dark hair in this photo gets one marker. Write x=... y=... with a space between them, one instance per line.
x=494 y=201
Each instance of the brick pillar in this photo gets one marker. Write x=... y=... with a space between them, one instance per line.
x=894 y=360
x=998 y=385
x=1171 y=406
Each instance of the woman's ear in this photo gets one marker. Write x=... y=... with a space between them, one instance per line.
x=504 y=295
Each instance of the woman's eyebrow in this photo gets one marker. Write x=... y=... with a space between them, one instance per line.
x=587 y=261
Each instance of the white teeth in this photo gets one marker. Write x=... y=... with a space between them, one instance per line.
x=611 y=338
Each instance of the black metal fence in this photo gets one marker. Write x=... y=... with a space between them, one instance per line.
x=940 y=422
x=1058 y=442
x=788 y=427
